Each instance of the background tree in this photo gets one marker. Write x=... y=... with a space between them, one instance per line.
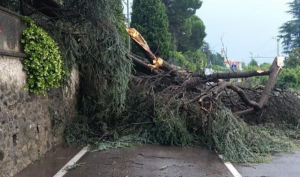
x=192 y=39
x=293 y=59
x=179 y=11
x=253 y=63
x=265 y=66
x=150 y=19
x=289 y=78
x=289 y=31
x=212 y=58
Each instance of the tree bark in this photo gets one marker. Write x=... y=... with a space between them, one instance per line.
x=141 y=66
x=230 y=75
x=275 y=70
x=155 y=62
x=215 y=91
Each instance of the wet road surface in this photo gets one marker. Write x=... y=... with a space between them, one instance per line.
x=157 y=161
x=50 y=164
x=283 y=165
x=151 y=160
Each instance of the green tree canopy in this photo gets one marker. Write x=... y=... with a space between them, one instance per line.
x=182 y=26
x=289 y=31
x=150 y=19
x=192 y=40
x=265 y=66
x=212 y=58
x=289 y=78
x=254 y=63
x=294 y=59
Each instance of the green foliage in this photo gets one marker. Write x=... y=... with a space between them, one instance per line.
x=182 y=8
x=218 y=68
x=293 y=59
x=289 y=31
x=183 y=25
x=105 y=69
x=257 y=80
x=239 y=142
x=265 y=66
x=213 y=59
x=220 y=129
x=193 y=61
x=197 y=58
x=193 y=36
x=44 y=65
x=253 y=63
x=125 y=141
x=150 y=19
x=169 y=129
x=99 y=50
x=289 y=78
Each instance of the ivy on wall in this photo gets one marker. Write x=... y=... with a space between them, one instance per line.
x=44 y=64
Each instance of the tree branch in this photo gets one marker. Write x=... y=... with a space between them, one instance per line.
x=273 y=73
x=229 y=75
x=141 y=66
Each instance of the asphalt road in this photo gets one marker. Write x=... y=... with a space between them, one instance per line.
x=141 y=161
x=283 y=165
x=151 y=160
x=50 y=164
x=157 y=161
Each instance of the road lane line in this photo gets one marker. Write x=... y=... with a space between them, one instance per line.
x=230 y=167
x=73 y=161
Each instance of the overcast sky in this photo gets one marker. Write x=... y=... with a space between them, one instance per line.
x=246 y=25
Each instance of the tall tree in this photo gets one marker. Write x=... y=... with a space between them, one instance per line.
x=179 y=11
x=290 y=31
x=192 y=40
x=150 y=19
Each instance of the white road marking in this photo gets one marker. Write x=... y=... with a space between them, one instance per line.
x=62 y=171
x=230 y=167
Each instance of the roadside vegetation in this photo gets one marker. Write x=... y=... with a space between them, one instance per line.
x=121 y=106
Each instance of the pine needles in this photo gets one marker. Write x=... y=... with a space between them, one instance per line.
x=239 y=142
x=152 y=109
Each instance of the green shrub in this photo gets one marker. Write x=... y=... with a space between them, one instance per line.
x=44 y=64
x=193 y=61
x=288 y=78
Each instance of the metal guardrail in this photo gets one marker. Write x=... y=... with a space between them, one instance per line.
x=11 y=28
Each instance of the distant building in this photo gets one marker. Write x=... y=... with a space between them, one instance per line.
x=233 y=64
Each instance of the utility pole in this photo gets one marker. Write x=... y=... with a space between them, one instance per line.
x=128 y=23
x=251 y=55
x=278 y=46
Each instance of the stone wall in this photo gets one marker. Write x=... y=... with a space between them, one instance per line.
x=30 y=124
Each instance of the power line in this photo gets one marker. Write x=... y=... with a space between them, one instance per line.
x=263 y=45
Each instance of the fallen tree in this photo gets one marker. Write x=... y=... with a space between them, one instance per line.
x=158 y=104
x=213 y=93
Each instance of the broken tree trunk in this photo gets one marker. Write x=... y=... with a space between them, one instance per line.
x=274 y=72
x=216 y=90
x=155 y=62
x=141 y=66
x=193 y=80
x=229 y=75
